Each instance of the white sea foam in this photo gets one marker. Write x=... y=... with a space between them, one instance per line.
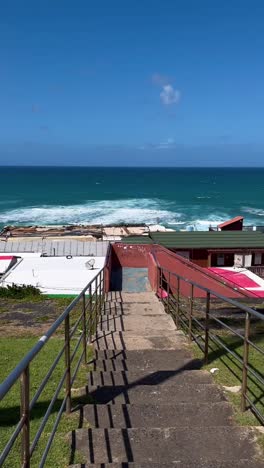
x=136 y=210
x=94 y=212
x=203 y=224
x=253 y=211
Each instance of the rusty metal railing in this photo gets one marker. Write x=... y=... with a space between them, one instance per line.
x=90 y=302
x=194 y=308
x=258 y=270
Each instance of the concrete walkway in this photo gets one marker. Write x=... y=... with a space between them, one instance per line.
x=154 y=406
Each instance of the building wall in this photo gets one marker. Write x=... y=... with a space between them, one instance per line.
x=228 y=260
x=233 y=226
x=200 y=257
x=133 y=256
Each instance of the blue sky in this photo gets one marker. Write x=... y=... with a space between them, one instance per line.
x=132 y=82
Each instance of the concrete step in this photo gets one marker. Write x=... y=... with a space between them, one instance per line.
x=161 y=339
x=116 y=308
x=170 y=445
x=181 y=464
x=142 y=323
x=147 y=377
x=148 y=394
x=140 y=297
x=128 y=365
x=158 y=415
x=156 y=358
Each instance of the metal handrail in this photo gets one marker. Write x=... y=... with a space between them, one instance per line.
x=211 y=275
x=187 y=323
x=220 y=296
x=90 y=305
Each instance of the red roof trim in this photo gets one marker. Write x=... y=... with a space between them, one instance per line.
x=8 y=257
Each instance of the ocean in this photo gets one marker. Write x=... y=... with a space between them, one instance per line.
x=179 y=198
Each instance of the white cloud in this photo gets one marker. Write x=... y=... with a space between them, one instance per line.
x=169 y=95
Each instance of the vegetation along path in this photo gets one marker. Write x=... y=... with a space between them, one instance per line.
x=153 y=405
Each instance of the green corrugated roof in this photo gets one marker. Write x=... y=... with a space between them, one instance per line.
x=209 y=239
x=137 y=240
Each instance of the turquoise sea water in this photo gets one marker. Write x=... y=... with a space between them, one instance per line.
x=175 y=197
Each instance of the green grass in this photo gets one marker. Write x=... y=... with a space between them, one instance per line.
x=11 y=353
x=230 y=374
x=230 y=369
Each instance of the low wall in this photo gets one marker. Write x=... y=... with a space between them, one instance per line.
x=174 y=263
x=152 y=272
x=130 y=256
x=149 y=256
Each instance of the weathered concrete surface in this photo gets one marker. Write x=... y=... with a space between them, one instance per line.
x=161 y=339
x=195 y=464
x=156 y=393
x=162 y=359
x=120 y=308
x=140 y=324
x=154 y=415
x=124 y=364
x=153 y=406
x=146 y=377
x=170 y=444
x=134 y=298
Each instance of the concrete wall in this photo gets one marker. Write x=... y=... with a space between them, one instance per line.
x=147 y=256
x=133 y=256
x=108 y=269
x=152 y=272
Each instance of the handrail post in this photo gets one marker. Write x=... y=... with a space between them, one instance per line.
x=100 y=291
x=67 y=364
x=190 y=315
x=178 y=302
x=206 y=338
x=103 y=289
x=84 y=330
x=245 y=362
x=96 y=301
x=90 y=318
x=158 y=277
x=25 y=432
x=168 y=291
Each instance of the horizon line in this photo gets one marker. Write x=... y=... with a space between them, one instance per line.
x=59 y=166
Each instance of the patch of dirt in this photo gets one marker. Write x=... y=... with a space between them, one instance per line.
x=34 y=318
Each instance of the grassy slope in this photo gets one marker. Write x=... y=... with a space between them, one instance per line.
x=230 y=374
x=12 y=349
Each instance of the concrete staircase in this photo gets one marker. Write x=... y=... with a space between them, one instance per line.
x=153 y=405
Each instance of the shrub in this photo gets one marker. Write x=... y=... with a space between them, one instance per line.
x=19 y=292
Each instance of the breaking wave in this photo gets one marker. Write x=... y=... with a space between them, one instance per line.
x=148 y=211
x=127 y=211
x=253 y=211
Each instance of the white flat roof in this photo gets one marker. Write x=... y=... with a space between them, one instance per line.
x=5 y=262
x=54 y=275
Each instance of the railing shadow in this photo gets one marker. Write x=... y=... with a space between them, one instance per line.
x=108 y=394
